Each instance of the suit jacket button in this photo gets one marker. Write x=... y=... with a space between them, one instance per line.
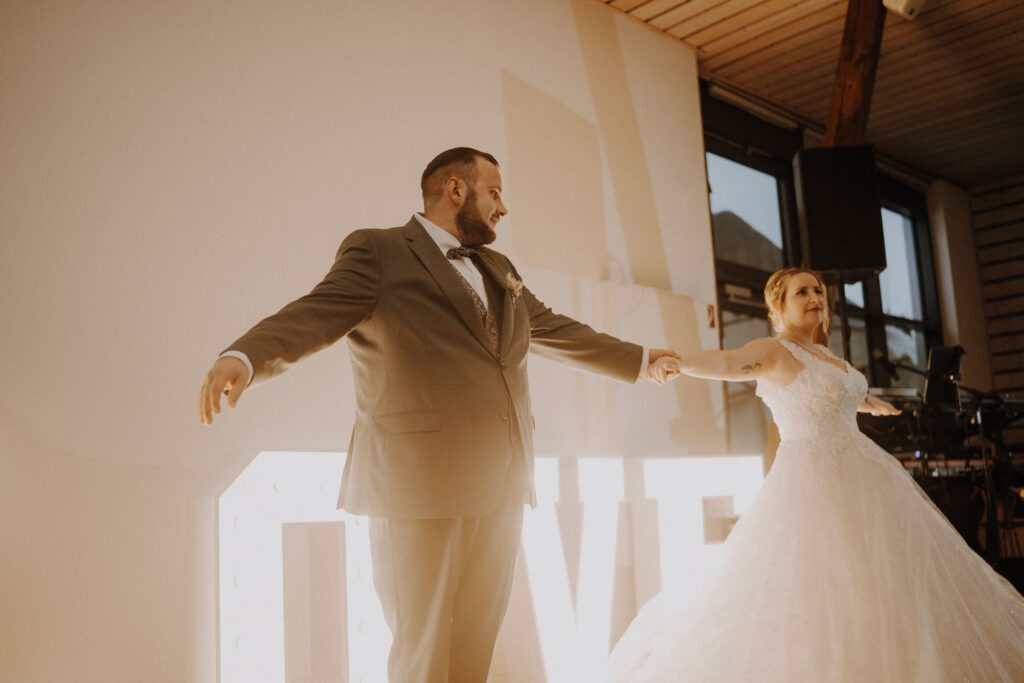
x=502 y=366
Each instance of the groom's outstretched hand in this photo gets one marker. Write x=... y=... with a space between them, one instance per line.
x=228 y=375
x=665 y=370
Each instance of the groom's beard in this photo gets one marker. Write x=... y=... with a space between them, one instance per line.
x=474 y=231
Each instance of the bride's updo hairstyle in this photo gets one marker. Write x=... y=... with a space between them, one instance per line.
x=775 y=290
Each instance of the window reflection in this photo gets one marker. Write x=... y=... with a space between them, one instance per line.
x=907 y=347
x=855 y=294
x=901 y=293
x=745 y=214
x=858 y=343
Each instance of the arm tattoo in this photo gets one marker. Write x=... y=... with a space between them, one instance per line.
x=748 y=369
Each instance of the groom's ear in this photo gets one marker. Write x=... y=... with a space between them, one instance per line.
x=455 y=188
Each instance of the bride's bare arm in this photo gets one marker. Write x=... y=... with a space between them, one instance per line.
x=754 y=359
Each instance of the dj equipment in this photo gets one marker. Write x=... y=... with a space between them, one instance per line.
x=961 y=424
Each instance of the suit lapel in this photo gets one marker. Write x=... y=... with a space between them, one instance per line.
x=508 y=311
x=447 y=279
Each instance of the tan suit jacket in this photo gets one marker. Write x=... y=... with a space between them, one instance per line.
x=439 y=416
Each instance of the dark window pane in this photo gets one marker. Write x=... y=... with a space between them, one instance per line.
x=907 y=347
x=745 y=214
x=855 y=294
x=901 y=294
x=858 y=343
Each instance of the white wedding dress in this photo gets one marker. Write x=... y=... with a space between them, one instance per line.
x=841 y=570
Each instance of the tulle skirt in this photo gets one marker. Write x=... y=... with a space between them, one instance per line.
x=841 y=570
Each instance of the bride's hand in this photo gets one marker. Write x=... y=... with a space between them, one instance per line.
x=880 y=408
x=663 y=370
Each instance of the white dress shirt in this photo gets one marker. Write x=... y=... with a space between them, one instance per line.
x=445 y=241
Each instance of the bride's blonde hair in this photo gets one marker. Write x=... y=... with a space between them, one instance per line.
x=775 y=291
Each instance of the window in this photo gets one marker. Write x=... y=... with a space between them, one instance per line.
x=745 y=217
x=752 y=205
x=892 y=318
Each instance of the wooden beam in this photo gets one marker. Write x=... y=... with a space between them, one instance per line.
x=855 y=73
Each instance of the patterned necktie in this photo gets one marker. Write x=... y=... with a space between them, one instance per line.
x=490 y=326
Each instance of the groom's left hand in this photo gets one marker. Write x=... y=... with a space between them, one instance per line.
x=654 y=355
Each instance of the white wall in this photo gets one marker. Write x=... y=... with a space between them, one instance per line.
x=961 y=305
x=175 y=171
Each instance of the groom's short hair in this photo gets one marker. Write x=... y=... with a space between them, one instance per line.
x=457 y=161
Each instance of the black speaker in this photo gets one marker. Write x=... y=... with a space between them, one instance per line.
x=839 y=212
x=941 y=389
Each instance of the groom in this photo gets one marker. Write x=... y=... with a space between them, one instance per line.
x=441 y=454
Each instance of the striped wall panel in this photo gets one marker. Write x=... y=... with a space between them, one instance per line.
x=999 y=236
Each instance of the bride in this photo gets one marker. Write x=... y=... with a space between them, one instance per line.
x=842 y=569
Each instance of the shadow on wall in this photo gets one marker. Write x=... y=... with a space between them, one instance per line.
x=97 y=558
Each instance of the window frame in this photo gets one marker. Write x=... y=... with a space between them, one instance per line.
x=739 y=136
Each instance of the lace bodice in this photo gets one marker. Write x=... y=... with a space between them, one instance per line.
x=822 y=398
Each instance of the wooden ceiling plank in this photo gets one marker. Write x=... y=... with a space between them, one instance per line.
x=951 y=158
x=683 y=13
x=812 y=85
x=943 y=112
x=1012 y=343
x=948 y=33
x=994 y=55
x=894 y=100
x=838 y=12
x=1000 y=253
x=983 y=175
x=1005 y=215
x=937 y=16
x=1006 y=306
x=968 y=169
x=989 y=273
x=783 y=74
x=751 y=21
x=627 y=5
x=798 y=92
x=802 y=83
x=653 y=8
x=715 y=40
x=993 y=201
x=954 y=31
x=710 y=16
x=810 y=37
x=997 y=235
x=944 y=79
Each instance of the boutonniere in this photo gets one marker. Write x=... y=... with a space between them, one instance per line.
x=514 y=286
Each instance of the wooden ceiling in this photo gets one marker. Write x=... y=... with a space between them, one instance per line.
x=949 y=93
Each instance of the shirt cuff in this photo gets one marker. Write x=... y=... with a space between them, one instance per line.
x=248 y=364
x=644 y=361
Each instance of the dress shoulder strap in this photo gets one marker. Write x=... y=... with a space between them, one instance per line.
x=799 y=352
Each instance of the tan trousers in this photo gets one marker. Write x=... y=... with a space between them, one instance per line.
x=444 y=585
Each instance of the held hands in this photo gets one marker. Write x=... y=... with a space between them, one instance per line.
x=663 y=367
x=228 y=375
